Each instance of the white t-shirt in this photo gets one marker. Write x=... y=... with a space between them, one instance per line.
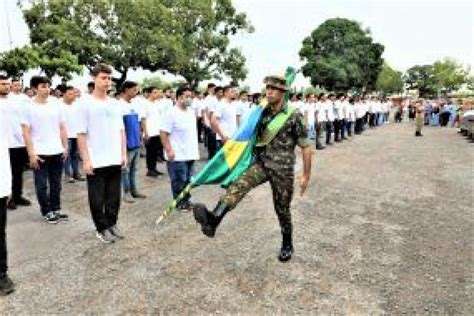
x=196 y=106
x=338 y=110
x=45 y=121
x=70 y=119
x=359 y=109
x=310 y=110
x=319 y=106
x=15 y=111
x=101 y=121
x=152 y=112
x=226 y=115
x=350 y=113
x=243 y=109
x=181 y=127
x=166 y=105
x=329 y=109
x=5 y=171
x=209 y=103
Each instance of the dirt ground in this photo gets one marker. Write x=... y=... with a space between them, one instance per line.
x=386 y=227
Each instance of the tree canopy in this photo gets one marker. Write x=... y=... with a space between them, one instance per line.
x=339 y=55
x=188 y=38
x=389 y=80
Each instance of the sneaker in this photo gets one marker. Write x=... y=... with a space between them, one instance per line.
x=61 y=216
x=106 y=236
x=70 y=180
x=152 y=173
x=11 y=205
x=127 y=198
x=22 y=201
x=79 y=178
x=185 y=207
x=138 y=195
x=114 y=230
x=6 y=285
x=51 y=218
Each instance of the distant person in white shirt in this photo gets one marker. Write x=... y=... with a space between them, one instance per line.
x=6 y=284
x=179 y=138
x=213 y=94
x=103 y=148
x=320 y=120
x=45 y=135
x=224 y=116
x=153 y=113
x=71 y=165
x=15 y=103
x=243 y=107
x=330 y=116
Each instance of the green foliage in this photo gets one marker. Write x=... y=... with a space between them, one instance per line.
x=449 y=74
x=189 y=38
x=314 y=90
x=19 y=60
x=207 y=26
x=156 y=81
x=389 y=80
x=340 y=55
x=421 y=78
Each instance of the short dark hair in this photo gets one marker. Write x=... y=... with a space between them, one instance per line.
x=227 y=88
x=91 y=85
x=211 y=85
x=299 y=96
x=14 y=79
x=218 y=88
x=243 y=92
x=330 y=95
x=128 y=85
x=67 y=88
x=101 y=68
x=181 y=90
x=3 y=77
x=37 y=80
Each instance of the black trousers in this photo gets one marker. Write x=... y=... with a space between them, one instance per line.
x=319 y=131
x=359 y=124
x=337 y=129
x=154 y=150
x=343 y=127
x=328 y=132
x=211 y=142
x=200 y=129
x=48 y=183
x=372 y=120
x=3 y=235
x=104 y=190
x=18 y=160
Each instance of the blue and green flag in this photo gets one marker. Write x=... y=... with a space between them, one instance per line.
x=234 y=158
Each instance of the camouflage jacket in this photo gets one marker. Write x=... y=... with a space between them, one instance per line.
x=279 y=154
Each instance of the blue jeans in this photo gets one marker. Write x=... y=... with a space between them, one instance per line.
x=180 y=173
x=71 y=165
x=129 y=174
x=49 y=172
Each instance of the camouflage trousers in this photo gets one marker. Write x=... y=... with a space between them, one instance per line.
x=282 y=189
x=419 y=123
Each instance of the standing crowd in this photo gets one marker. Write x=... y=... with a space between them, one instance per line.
x=98 y=137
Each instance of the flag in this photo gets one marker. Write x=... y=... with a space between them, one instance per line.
x=233 y=158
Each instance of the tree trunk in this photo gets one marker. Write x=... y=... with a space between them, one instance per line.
x=119 y=81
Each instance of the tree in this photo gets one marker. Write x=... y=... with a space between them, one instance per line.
x=449 y=75
x=159 y=83
x=421 y=77
x=339 y=55
x=183 y=37
x=19 y=60
x=389 y=80
x=207 y=26
x=125 y=34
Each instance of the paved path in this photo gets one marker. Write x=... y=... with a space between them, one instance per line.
x=386 y=226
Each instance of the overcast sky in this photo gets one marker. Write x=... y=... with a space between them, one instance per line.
x=412 y=31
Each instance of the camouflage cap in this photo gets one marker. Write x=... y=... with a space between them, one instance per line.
x=278 y=82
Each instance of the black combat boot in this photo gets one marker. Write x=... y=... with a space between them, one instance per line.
x=286 y=248
x=209 y=220
x=6 y=285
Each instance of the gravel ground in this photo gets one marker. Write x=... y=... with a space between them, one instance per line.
x=386 y=227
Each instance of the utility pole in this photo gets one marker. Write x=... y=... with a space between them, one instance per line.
x=7 y=17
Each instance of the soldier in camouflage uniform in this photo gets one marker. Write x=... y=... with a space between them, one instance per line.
x=419 y=119
x=274 y=163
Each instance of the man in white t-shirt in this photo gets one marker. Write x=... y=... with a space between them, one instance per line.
x=45 y=137
x=224 y=116
x=320 y=120
x=243 y=107
x=179 y=138
x=71 y=164
x=329 y=109
x=102 y=144
x=6 y=284
x=15 y=105
x=209 y=103
x=153 y=114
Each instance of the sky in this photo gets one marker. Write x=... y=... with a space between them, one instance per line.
x=412 y=31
